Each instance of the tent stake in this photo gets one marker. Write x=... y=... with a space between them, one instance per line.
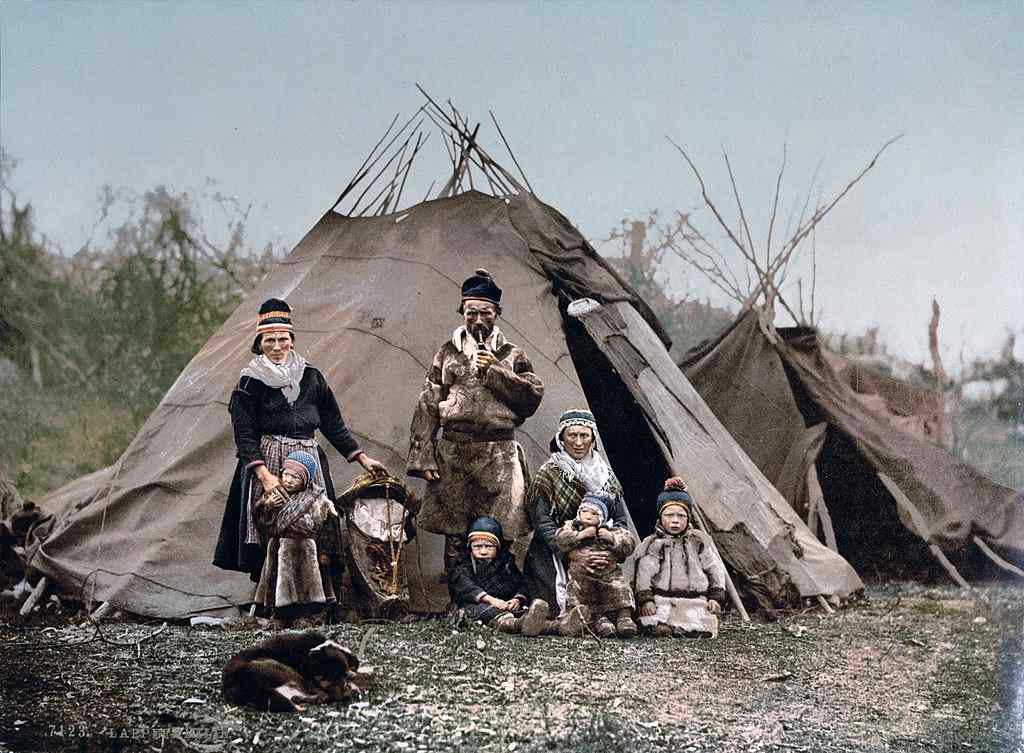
x=34 y=597
x=987 y=551
x=103 y=611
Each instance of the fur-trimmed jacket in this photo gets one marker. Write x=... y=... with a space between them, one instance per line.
x=684 y=566
x=456 y=398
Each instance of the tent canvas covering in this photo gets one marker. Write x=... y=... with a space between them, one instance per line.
x=889 y=488
x=373 y=298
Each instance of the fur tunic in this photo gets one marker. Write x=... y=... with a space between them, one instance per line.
x=686 y=566
x=678 y=574
x=292 y=571
x=482 y=469
x=603 y=590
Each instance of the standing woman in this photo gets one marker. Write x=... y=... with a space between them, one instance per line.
x=279 y=404
x=574 y=469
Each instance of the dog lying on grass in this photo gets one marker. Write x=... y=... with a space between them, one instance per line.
x=286 y=671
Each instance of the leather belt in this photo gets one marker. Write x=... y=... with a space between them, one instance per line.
x=495 y=435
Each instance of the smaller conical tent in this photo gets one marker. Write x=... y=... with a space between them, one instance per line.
x=373 y=298
x=889 y=494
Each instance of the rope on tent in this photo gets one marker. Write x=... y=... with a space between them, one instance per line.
x=922 y=528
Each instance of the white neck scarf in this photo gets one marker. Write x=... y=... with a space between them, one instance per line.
x=285 y=376
x=464 y=342
x=592 y=470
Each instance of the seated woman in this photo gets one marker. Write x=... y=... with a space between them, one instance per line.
x=680 y=579
x=574 y=469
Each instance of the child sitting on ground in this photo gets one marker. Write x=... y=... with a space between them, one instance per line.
x=595 y=550
x=292 y=514
x=680 y=579
x=489 y=587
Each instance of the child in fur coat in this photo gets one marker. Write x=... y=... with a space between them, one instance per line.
x=595 y=550
x=680 y=579
x=291 y=584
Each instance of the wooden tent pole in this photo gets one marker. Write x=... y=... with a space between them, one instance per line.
x=820 y=508
x=922 y=528
x=987 y=551
x=730 y=587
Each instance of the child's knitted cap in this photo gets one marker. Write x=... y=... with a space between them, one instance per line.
x=301 y=462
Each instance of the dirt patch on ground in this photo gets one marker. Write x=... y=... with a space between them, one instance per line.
x=909 y=669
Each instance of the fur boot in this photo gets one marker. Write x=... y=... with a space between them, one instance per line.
x=506 y=623
x=536 y=618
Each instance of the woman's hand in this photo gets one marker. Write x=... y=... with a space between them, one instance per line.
x=598 y=561
x=268 y=480
x=647 y=609
x=714 y=607
x=431 y=476
x=371 y=466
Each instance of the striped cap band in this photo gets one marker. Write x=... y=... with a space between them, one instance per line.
x=485 y=536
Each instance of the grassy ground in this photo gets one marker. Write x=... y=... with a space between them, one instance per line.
x=909 y=669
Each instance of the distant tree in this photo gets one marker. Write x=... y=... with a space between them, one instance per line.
x=90 y=342
x=645 y=245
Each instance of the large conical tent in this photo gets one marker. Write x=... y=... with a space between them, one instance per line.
x=373 y=297
x=887 y=491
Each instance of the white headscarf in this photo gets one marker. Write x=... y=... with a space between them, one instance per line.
x=592 y=471
x=285 y=376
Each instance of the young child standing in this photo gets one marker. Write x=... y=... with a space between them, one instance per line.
x=595 y=550
x=680 y=579
x=291 y=584
x=489 y=587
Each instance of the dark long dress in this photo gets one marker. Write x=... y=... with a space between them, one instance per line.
x=258 y=410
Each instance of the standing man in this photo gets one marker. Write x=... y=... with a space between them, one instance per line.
x=478 y=389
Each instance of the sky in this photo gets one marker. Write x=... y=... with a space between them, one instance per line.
x=278 y=103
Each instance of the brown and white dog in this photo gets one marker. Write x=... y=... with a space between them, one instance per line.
x=286 y=671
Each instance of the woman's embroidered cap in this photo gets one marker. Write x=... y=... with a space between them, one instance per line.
x=577 y=417
x=275 y=316
x=301 y=462
x=485 y=528
x=481 y=287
